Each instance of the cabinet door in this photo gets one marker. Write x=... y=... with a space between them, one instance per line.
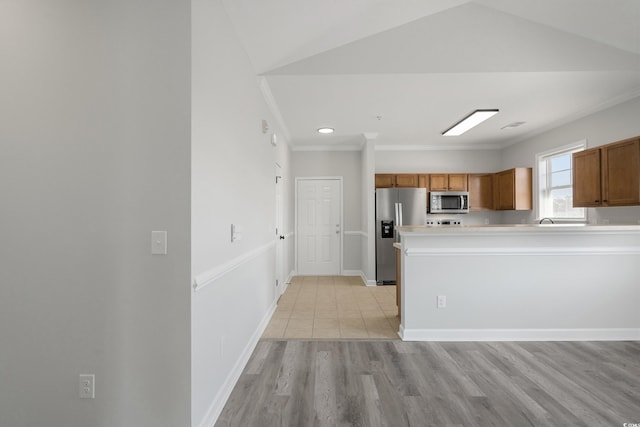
x=481 y=192
x=523 y=197
x=407 y=180
x=458 y=182
x=385 y=180
x=621 y=173
x=438 y=182
x=504 y=190
x=586 y=178
x=512 y=189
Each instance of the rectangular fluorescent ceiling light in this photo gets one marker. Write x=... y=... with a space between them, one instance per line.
x=473 y=119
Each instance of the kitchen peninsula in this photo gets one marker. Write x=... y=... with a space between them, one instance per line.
x=520 y=282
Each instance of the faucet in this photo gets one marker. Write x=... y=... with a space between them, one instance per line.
x=548 y=219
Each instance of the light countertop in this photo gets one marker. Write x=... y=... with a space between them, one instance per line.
x=520 y=228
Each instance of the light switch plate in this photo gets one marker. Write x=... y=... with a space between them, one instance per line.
x=236 y=232
x=158 y=242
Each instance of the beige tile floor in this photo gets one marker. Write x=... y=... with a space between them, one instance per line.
x=334 y=307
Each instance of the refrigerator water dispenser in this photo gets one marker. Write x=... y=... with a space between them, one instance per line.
x=387 y=229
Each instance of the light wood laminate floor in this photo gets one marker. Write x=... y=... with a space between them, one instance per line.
x=334 y=307
x=394 y=383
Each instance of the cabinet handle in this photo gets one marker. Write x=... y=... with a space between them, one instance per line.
x=604 y=201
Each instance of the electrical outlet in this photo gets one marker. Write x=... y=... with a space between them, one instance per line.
x=442 y=301
x=87 y=386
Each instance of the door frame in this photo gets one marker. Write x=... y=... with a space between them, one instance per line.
x=295 y=215
x=280 y=244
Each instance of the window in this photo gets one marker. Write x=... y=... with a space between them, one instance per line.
x=555 y=186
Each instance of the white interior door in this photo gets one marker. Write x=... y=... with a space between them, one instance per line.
x=279 y=231
x=319 y=226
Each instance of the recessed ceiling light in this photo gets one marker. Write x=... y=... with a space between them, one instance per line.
x=326 y=130
x=473 y=119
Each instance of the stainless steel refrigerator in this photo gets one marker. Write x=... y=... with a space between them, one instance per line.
x=395 y=207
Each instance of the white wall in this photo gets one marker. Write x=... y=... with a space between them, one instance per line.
x=438 y=161
x=94 y=132
x=233 y=182
x=522 y=283
x=610 y=125
x=345 y=164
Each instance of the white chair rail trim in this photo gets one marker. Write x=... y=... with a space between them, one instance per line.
x=210 y=276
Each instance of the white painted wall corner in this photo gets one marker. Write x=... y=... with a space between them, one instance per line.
x=221 y=398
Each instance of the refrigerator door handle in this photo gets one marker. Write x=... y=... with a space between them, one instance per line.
x=395 y=205
x=397 y=221
x=400 y=223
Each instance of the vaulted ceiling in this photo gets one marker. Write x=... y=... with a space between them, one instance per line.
x=402 y=72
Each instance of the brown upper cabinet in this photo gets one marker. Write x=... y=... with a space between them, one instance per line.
x=608 y=175
x=507 y=190
x=387 y=180
x=587 y=179
x=448 y=182
x=423 y=181
x=512 y=189
x=481 y=192
x=406 y=180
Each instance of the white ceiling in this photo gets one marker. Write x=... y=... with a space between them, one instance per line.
x=401 y=72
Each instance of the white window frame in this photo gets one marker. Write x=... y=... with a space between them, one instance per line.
x=542 y=178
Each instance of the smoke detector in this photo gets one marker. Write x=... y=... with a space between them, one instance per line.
x=512 y=125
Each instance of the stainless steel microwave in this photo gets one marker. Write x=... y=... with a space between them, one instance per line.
x=449 y=202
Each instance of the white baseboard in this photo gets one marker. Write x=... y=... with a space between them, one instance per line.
x=232 y=378
x=628 y=334
x=287 y=282
x=292 y=273
x=352 y=273
x=344 y=273
x=361 y=274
